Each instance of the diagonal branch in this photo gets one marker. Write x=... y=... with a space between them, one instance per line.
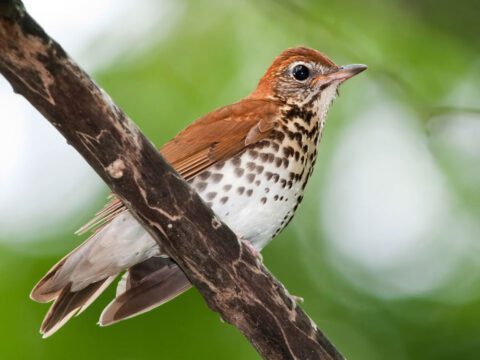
x=226 y=273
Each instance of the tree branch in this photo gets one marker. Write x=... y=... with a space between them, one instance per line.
x=225 y=272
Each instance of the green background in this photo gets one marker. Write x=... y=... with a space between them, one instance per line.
x=214 y=54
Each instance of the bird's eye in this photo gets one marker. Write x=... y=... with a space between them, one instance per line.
x=300 y=72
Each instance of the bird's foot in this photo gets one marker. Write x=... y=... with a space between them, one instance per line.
x=252 y=248
x=298 y=299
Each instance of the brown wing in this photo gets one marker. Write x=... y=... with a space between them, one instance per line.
x=213 y=138
x=219 y=135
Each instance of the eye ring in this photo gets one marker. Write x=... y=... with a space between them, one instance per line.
x=300 y=72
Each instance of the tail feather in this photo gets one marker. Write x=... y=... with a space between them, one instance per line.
x=81 y=276
x=46 y=291
x=69 y=303
x=144 y=287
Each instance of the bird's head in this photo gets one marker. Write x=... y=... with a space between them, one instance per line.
x=300 y=75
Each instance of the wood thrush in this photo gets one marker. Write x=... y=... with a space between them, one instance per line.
x=249 y=161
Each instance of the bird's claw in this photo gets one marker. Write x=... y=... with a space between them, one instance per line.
x=252 y=248
x=298 y=299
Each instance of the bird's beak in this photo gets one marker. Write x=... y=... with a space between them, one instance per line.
x=346 y=72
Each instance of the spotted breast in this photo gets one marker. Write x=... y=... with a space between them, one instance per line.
x=257 y=192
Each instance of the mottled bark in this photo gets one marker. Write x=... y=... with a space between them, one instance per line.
x=232 y=281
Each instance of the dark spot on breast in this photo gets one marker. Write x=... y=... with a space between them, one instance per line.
x=288 y=151
x=298 y=137
x=292 y=112
x=224 y=199
x=251 y=166
x=217 y=177
x=227 y=187
x=267 y=190
x=239 y=171
x=219 y=165
x=283 y=182
x=201 y=186
x=297 y=155
x=304 y=183
x=260 y=145
x=249 y=192
x=257 y=182
x=290 y=219
x=308 y=117
x=268 y=175
x=259 y=169
x=250 y=177
x=275 y=197
x=263 y=200
x=240 y=190
x=236 y=161
x=253 y=154
x=275 y=177
x=279 y=135
x=211 y=195
x=278 y=161
x=204 y=175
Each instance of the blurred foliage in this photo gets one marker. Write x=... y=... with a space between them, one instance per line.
x=417 y=51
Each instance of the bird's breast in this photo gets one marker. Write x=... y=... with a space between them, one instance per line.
x=257 y=192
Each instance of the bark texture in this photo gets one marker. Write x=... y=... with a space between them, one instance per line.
x=232 y=281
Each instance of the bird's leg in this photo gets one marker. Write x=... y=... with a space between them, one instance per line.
x=252 y=248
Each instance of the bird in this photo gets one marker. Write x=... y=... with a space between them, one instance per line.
x=249 y=161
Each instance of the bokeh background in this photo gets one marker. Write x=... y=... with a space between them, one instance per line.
x=385 y=248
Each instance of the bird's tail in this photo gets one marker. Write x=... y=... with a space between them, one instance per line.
x=80 y=277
